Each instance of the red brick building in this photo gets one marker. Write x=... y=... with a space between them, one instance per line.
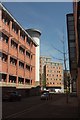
x=54 y=76
x=17 y=53
x=51 y=74
x=76 y=12
x=75 y=35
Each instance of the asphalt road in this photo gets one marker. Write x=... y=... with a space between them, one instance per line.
x=33 y=107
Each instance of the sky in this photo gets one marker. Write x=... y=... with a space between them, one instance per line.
x=50 y=19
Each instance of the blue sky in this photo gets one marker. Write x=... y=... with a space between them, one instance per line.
x=49 y=18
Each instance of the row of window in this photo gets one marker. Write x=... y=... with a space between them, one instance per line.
x=50 y=71
x=53 y=83
x=13 y=61
x=15 y=27
x=53 y=67
x=53 y=79
x=13 y=79
x=15 y=45
x=20 y=81
x=53 y=75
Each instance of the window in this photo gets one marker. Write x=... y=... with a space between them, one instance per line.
x=72 y=44
x=22 y=35
x=21 y=80
x=21 y=50
x=15 y=28
x=71 y=33
x=5 y=19
x=31 y=56
x=14 y=44
x=71 y=28
x=3 y=57
x=72 y=52
x=21 y=64
x=71 y=37
x=70 y=23
x=4 y=38
x=28 y=40
x=13 y=61
x=31 y=68
x=28 y=67
x=27 y=81
x=27 y=54
x=70 y=18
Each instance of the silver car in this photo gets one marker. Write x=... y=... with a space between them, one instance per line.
x=45 y=96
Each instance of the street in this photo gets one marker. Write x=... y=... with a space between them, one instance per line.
x=33 y=107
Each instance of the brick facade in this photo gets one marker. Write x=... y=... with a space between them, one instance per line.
x=17 y=53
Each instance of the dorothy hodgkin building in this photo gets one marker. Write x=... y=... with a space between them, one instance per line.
x=73 y=23
x=17 y=53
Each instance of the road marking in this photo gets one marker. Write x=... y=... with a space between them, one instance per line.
x=15 y=115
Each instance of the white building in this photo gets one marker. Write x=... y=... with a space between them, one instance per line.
x=35 y=34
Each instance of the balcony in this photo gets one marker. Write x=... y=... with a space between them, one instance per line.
x=33 y=48
x=33 y=61
x=5 y=27
x=21 y=56
x=12 y=69
x=4 y=46
x=13 y=51
x=14 y=34
x=22 y=41
x=4 y=66
x=27 y=73
x=32 y=73
x=27 y=59
x=21 y=72
x=27 y=46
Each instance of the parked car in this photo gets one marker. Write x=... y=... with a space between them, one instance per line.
x=11 y=96
x=45 y=96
